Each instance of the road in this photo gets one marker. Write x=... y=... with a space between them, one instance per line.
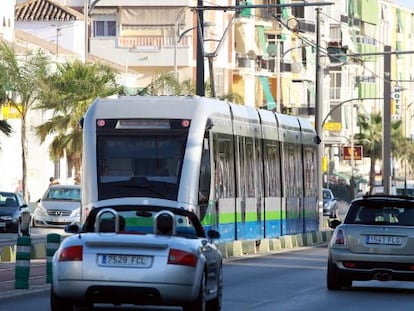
x=286 y=281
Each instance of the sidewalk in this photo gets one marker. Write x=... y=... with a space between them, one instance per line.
x=36 y=282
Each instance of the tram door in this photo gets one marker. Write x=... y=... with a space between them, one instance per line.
x=222 y=195
x=249 y=202
x=293 y=188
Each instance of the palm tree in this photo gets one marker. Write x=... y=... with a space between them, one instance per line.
x=167 y=84
x=5 y=127
x=68 y=94
x=24 y=73
x=370 y=137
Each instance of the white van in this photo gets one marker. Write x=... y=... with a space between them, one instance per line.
x=380 y=190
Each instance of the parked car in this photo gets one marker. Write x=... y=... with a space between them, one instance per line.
x=142 y=255
x=14 y=214
x=330 y=205
x=59 y=206
x=375 y=242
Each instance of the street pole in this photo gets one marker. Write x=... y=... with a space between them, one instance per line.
x=386 y=133
x=200 y=91
x=86 y=17
x=318 y=112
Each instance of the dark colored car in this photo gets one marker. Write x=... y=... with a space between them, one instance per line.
x=330 y=205
x=14 y=214
x=375 y=242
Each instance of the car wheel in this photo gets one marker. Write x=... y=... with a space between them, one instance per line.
x=59 y=304
x=334 y=280
x=200 y=303
x=215 y=304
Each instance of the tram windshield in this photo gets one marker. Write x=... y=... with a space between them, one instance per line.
x=137 y=165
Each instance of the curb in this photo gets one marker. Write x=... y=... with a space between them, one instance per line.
x=286 y=242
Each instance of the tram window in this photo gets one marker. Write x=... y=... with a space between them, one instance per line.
x=224 y=166
x=250 y=168
x=290 y=168
x=205 y=176
x=259 y=169
x=309 y=168
x=272 y=169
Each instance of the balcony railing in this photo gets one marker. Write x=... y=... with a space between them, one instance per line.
x=150 y=43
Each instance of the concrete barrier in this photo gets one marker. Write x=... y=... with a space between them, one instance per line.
x=8 y=253
x=53 y=242
x=275 y=244
x=264 y=246
x=249 y=246
x=22 y=271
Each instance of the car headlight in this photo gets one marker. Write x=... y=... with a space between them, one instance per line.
x=6 y=217
x=41 y=211
x=75 y=213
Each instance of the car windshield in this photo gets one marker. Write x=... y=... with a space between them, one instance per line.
x=327 y=194
x=59 y=193
x=8 y=200
x=142 y=221
x=376 y=212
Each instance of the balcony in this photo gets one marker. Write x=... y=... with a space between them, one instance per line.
x=158 y=50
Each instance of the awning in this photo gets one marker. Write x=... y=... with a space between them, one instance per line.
x=346 y=39
x=271 y=104
x=149 y=16
x=262 y=40
x=246 y=47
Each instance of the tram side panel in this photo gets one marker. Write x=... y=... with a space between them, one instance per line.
x=272 y=175
x=309 y=155
x=248 y=170
x=292 y=208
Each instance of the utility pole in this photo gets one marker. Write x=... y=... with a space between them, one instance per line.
x=318 y=109
x=200 y=91
x=386 y=123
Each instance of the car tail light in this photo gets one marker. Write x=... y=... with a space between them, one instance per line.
x=349 y=264
x=339 y=237
x=179 y=257
x=71 y=253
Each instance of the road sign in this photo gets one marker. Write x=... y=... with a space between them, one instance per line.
x=357 y=153
x=333 y=126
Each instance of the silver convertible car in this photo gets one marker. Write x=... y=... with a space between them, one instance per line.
x=141 y=255
x=375 y=242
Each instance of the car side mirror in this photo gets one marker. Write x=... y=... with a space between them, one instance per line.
x=334 y=223
x=74 y=228
x=213 y=234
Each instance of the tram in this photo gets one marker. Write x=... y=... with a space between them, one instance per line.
x=249 y=173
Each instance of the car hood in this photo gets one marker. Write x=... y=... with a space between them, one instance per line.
x=7 y=211
x=60 y=204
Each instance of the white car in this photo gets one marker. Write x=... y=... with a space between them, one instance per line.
x=142 y=255
x=59 y=207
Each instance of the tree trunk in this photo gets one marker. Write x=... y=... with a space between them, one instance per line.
x=23 y=140
x=372 y=175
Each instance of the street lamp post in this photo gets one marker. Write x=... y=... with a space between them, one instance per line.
x=88 y=5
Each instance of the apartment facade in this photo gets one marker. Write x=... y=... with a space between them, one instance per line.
x=269 y=50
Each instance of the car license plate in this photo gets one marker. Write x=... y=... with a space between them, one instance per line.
x=384 y=239
x=124 y=260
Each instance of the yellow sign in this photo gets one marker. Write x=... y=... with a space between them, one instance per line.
x=10 y=111
x=333 y=126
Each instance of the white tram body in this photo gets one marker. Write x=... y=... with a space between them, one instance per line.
x=248 y=173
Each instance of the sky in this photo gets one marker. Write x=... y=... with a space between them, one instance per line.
x=409 y=4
